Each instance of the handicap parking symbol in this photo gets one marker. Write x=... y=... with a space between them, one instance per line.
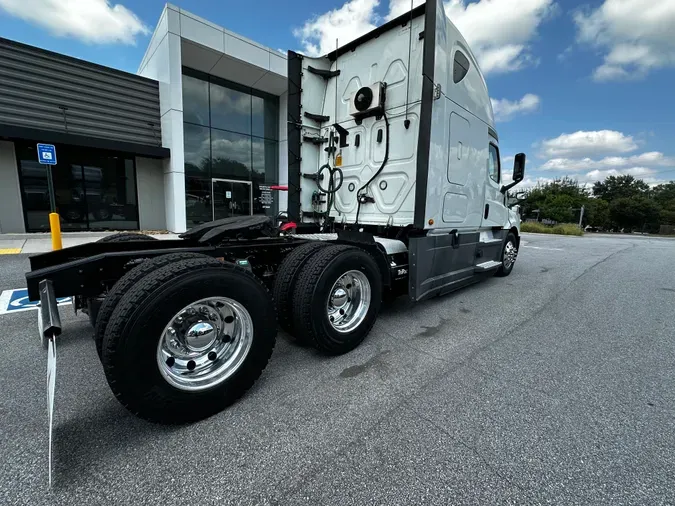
x=14 y=301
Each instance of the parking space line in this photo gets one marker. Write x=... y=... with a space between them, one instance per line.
x=545 y=249
x=10 y=251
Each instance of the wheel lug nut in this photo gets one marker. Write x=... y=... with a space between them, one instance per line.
x=190 y=311
x=171 y=331
x=179 y=320
x=332 y=318
x=170 y=361
x=213 y=356
x=191 y=365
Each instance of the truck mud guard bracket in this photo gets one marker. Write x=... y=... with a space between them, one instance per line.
x=367 y=242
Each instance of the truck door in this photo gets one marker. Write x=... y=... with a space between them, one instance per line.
x=494 y=211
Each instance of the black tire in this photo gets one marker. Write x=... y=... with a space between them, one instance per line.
x=504 y=271
x=138 y=321
x=286 y=279
x=126 y=282
x=126 y=237
x=119 y=237
x=311 y=294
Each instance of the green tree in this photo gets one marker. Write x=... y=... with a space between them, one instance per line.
x=559 y=200
x=597 y=213
x=664 y=194
x=616 y=187
x=635 y=213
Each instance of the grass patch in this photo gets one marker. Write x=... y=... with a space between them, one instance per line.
x=560 y=229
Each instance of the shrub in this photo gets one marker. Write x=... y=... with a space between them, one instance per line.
x=561 y=228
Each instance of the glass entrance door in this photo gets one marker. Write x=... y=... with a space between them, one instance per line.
x=231 y=198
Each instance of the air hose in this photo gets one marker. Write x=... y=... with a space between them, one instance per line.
x=361 y=197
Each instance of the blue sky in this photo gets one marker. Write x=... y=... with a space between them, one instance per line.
x=583 y=87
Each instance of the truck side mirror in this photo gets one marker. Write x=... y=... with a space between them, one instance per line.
x=519 y=168
x=518 y=172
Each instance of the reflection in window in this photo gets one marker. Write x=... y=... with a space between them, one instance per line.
x=197 y=150
x=265 y=117
x=237 y=141
x=460 y=67
x=93 y=189
x=493 y=163
x=264 y=160
x=195 y=101
x=197 y=200
x=230 y=155
x=230 y=109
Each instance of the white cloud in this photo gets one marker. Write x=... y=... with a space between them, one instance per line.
x=588 y=143
x=601 y=175
x=636 y=35
x=498 y=31
x=505 y=110
x=398 y=7
x=92 y=21
x=530 y=182
x=345 y=24
x=652 y=158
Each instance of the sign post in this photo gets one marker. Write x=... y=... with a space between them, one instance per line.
x=47 y=157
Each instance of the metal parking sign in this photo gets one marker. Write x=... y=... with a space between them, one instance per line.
x=46 y=154
x=14 y=301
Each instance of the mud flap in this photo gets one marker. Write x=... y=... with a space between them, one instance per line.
x=49 y=324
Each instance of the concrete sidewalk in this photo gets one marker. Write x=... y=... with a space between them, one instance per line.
x=14 y=244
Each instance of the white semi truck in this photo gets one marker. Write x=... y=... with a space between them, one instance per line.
x=395 y=187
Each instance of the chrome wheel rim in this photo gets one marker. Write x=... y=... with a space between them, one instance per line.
x=349 y=301
x=205 y=343
x=510 y=254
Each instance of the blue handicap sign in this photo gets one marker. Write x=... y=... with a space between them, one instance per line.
x=46 y=154
x=12 y=301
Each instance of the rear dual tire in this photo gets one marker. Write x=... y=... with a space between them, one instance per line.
x=286 y=281
x=225 y=351
x=336 y=298
x=126 y=282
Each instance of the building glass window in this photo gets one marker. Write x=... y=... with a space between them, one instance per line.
x=197 y=148
x=236 y=150
x=93 y=189
x=195 y=101
x=230 y=155
x=230 y=109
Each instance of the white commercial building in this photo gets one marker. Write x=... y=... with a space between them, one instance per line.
x=223 y=116
x=199 y=133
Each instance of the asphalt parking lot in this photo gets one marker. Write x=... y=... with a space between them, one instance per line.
x=555 y=385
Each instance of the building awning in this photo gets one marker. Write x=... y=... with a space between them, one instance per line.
x=13 y=132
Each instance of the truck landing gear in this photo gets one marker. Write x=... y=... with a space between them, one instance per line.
x=188 y=339
x=337 y=298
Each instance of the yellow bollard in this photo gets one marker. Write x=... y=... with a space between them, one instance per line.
x=55 y=226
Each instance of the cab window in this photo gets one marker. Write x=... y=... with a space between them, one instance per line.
x=493 y=163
